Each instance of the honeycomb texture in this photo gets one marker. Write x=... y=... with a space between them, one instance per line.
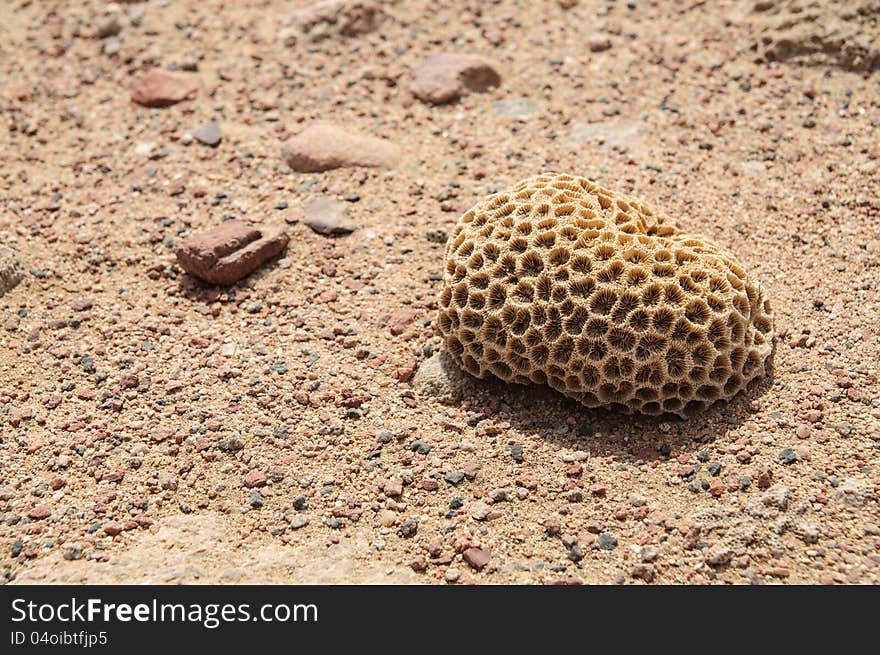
x=558 y=281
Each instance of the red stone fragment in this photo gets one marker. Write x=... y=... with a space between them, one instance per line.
x=162 y=88
x=227 y=253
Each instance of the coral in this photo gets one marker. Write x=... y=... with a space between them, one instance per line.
x=560 y=281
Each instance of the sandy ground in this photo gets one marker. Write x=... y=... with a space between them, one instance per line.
x=156 y=429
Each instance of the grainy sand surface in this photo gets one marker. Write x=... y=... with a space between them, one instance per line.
x=153 y=428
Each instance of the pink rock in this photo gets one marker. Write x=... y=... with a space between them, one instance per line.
x=399 y=320
x=227 y=253
x=447 y=77
x=161 y=88
x=478 y=558
x=40 y=512
x=325 y=146
x=255 y=479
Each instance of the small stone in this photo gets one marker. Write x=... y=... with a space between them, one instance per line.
x=255 y=479
x=576 y=456
x=229 y=252
x=208 y=134
x=325 y=146
x=454 y=477
x=256 y=500
x=516 y=452
x=107 y=27
x=231 y=443
x=479 y=510
x=452 y=575
x=300 y=503
x=649 y=553
x=844 y=429
x=420 y=447
x=447 y=77
x=161 y=88
x=718 y=556
x=168 y=480
x=788 y=456
x=637 y=501
x=393 y=487
x=328 y=216
x=607 y=542
x=299 y=521
x=478 y=558
x=72 y=552
x=40 y=512
x=408 y=529
x=599 y=43
x=113 y=528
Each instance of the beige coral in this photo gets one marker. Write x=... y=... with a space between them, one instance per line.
x=563 y=282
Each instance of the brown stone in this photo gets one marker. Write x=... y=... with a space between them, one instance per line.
x=447 y=77
x=162 y=88
x=255 y=479
x=478 y=558
x=325 y=146
x=227 y=253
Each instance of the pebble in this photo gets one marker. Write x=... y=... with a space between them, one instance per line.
x=576 y=456
x=452 y=575
x=447 y=77
x=479 y=510
x=420 y=447
x=649 y=553
x=227 y=253
x=454 y=477
x=788 y=456
x=408 y=529
x=208 y=134
x=328 y=216
x=299 y=521
x=477 y=558
x=607 y=542
x=324 y=146
x=255 y=479
x=516 y=452
x=599 y=43
x=162 y=88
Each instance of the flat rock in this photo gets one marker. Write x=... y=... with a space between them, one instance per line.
x=328 y=216
x=440 y=378
x=447 y=77
x=227 y=253
x=325 y=146
x=11 y=270
x=208 y=134
x=162 y=88
x=478 y=558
